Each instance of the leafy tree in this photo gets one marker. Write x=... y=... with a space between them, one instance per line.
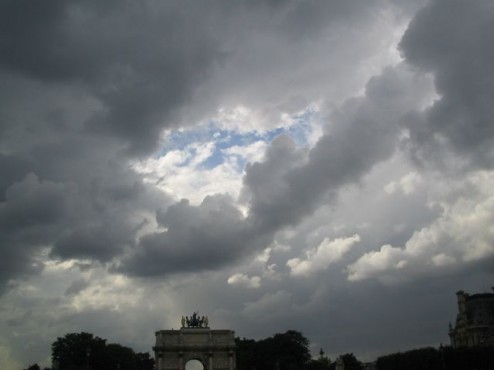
x=77 y=351
x=247 y=358
x=416 y=359
x=123 y=357
x=350 y=362
x=144 y=361
x=33 y=367
x=292 y=350
x=287 y=351
x=80 y=351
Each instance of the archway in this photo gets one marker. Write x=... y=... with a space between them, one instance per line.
x=195 y=343
x=194 y=365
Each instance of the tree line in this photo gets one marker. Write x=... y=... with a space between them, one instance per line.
x=81 y=351
x=286 y=351
x=282 y=351
x=442 y=358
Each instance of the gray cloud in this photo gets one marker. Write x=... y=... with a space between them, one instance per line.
x=289 y=184
x=282 y=189
x=81 y=84
x=360 y=135
x=200 y=237
x=31 y=205
x=14 y=169
x=88 y=87
x=454 y=46
x=100 y=242
x=16 y=261
x=140 y=62
x=31 y=213
x=76 y=287
x=91 y=212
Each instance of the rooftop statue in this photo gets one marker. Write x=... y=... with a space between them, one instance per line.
x=195 y=321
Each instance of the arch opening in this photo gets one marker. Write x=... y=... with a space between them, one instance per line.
x=194 y=365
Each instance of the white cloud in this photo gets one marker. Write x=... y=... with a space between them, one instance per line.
x=179 y=173
x=462 y=232
x=407 y=184
x=376 y=262
x=241 y=119
x=320 y=257
x=245 y=281
x=442 y=260
x=245 y=154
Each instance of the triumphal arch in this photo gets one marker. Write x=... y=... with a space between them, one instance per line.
x=214 y=349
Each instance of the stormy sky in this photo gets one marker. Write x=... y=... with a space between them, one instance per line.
x=321 y=166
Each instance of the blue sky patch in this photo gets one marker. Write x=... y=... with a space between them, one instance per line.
x=224 y=139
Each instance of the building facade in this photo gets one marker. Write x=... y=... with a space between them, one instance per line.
x=214 y=349
x=475 y=320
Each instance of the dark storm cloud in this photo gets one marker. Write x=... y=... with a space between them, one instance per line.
x=30 y=205
x=13 y=170
x=92 y=211
x=305 y=19
x=31 y=34
x=99 y=242
x=453 y=40
x=139 y=61
x=31 y=213
x=197 y=238
x=16 y=261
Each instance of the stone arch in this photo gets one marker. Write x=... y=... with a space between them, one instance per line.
x=215 y=349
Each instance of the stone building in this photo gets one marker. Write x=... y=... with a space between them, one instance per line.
x=474 y=321
x=195 y=341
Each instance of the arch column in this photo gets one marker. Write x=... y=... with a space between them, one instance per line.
x=160 y=361
x=181 y=361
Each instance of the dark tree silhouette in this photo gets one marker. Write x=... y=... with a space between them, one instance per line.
x=81 y=351
x=444 y=358
x=287 y=351
x=144 y=361
x=35 y=366
x=77 y=351
x=350 y=362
